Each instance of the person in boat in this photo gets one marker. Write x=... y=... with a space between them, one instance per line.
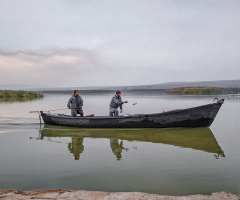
x=115 y=103
x=75 y=103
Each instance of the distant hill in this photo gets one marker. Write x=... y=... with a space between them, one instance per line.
x=161 y=86
x=218 y=83
x=169 y=85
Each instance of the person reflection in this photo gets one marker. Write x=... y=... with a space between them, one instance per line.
x=116 y=147
x=76 y=147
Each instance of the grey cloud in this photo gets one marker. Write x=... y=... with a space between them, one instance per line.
x=141 y=41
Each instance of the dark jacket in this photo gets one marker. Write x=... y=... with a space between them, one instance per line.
x=74 y=102
x=116 y=102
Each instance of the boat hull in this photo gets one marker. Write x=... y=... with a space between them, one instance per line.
x=201 y=116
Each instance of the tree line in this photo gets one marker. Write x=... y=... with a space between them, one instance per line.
x=196 y=90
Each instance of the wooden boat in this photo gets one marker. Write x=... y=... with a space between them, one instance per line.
x=194 y=138
x=201 y=116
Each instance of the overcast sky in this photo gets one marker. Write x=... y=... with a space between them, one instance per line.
x=118 y=42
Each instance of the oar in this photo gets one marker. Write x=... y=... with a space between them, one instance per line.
x=52 y=110
x=46 y=111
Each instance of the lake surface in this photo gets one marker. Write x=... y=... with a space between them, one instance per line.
x=161 y=161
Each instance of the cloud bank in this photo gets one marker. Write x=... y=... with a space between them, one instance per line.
x=97 y=43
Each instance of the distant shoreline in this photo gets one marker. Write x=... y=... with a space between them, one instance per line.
x=167 y=85
x=178 y=91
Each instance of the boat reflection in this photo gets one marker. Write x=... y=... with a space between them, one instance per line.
x=194 y=138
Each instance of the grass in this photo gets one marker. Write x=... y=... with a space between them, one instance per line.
x=19 y=94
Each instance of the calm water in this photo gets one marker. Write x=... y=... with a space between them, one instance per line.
x=162 y=161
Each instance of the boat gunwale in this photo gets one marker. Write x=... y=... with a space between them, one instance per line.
x=62 y=116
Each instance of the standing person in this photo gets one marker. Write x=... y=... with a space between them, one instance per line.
x=76 y=104
x=115 y=103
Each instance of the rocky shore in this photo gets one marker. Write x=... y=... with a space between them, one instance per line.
x=89 y=195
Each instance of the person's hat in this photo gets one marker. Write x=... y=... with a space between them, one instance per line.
x=118 y=92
